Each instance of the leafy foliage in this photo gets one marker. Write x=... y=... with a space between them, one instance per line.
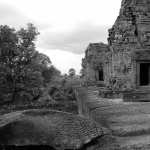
x=72 y=72
x=23 y=70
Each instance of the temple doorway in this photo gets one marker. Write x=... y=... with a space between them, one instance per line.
x=144 y=74
x=100 y=75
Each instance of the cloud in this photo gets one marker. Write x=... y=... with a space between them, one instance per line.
x=64 y=60
x=12 y=16
x=74 y=40
x=66 y=38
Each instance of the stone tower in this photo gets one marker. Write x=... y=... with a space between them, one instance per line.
x=129 y=42
x=125 y=60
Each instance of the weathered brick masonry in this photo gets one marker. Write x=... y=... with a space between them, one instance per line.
x=123 y=63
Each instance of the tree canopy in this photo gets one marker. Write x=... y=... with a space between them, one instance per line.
x=23 y=70
x=72 y=72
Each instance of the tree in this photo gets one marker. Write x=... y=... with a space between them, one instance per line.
x=8 y=51
x=72 y=72
x=50 y=73
x=21 y=66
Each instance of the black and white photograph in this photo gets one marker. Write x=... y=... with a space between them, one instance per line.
x=75 y=74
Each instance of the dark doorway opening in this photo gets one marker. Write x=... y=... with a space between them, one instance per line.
x=144 y=74
x=101 y=75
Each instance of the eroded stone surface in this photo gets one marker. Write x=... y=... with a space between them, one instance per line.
x=44 y=127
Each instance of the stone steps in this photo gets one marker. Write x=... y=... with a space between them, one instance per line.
x=140 y=141
x=130 y=130
x=128 y=121
x=138 y=95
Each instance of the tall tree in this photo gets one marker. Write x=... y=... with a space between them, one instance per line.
x=21 y=66
x=72 y=72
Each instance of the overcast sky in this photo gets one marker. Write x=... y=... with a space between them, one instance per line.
x=66 y=26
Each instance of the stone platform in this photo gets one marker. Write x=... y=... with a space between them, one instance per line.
x=129 y=122
x=136 y=95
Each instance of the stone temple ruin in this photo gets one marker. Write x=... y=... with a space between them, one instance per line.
x=124 y=63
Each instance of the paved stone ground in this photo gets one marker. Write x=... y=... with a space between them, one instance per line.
x=128 y=121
